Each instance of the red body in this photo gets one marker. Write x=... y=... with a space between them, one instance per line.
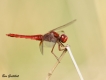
x=51 y=36
x=33 y=37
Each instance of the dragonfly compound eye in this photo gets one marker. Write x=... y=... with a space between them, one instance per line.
x=63 y=38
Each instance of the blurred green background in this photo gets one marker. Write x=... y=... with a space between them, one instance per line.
x=86 y=36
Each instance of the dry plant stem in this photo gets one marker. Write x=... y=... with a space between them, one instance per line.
x=74 y=62
x=52 y=70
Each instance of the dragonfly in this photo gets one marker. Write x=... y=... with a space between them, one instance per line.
x=51 y=36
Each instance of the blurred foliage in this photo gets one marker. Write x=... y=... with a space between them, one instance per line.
x=86 y=37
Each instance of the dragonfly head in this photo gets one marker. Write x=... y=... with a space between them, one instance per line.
x=63 y=38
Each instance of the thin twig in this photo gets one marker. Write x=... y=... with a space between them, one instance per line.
x=74 y=62
x=52 y=70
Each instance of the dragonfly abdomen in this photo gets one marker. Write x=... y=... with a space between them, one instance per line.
x=33 y=37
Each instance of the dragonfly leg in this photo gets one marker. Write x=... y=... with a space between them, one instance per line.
x=54 y=54
x=64 y=51
x=59 y=47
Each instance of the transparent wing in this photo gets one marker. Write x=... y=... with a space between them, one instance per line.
x=41 y=46
x=65 y=25
x=48 y=44
x=60 y=32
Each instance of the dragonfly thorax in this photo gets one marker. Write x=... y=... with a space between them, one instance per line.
x=49 y=37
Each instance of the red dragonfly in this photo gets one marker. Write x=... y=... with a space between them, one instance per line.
x=52 y=36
